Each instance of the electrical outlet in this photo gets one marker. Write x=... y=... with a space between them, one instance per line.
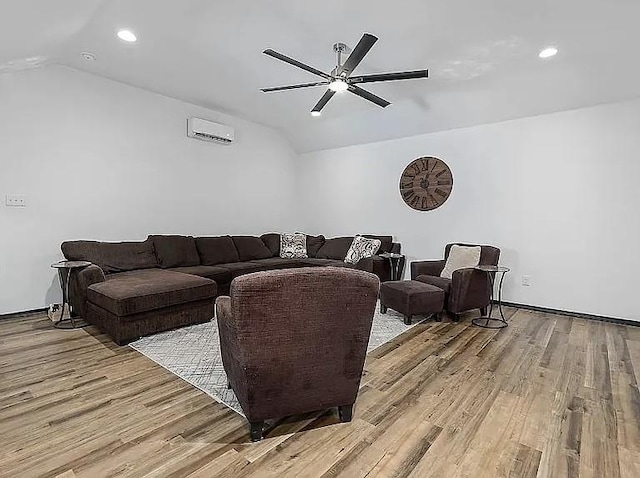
x=526 y=281
x=16 y=200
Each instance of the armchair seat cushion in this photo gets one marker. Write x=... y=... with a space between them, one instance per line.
x=440 y=282
x=134 y=292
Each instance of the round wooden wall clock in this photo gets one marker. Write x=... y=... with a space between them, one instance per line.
x=426 y=183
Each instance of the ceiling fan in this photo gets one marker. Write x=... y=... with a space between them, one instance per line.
x=340 y=78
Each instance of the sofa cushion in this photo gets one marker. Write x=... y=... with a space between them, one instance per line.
x=216 y=250
x=386 y=242
x=251 y=247
x=133 y=292
x=240 y=268
x=335 y=248
x=112 y=256
x=314 y=243
x=278 y=263
x=218 y=274
x=272 y=241
x=314 y=261
x=293 y=246
x=361 y=248
x=440 y=282
x=175 y=251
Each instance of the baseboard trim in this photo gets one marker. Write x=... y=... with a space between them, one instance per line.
x=579 y=315
x=17 y=315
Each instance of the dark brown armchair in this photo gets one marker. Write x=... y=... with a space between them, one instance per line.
x=294 y=341
x=467 y=289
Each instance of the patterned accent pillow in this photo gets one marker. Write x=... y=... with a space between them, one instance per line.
x=293 y=246
x=361 y=247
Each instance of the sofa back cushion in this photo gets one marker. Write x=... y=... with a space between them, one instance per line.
x=251 y=248
x=112 y=256
x=314 y=243
x=175 y=251
x=272 y=241
x=335 y=248
x=386 y=242
x=217 y=250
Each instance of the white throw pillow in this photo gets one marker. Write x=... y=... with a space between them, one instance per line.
x=293 y=246
x=361 y=247
x=461 y=257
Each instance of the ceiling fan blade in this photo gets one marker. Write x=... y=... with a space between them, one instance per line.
x=403 y=75
x=291 y=61
x=356 y=90
x=358 y=53
x=324 y=100
x=294 y=87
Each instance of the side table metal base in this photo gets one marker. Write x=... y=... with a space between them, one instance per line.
x=490 y=323
x=68 y=324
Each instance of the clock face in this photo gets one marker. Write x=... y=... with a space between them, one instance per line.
x=426 y=183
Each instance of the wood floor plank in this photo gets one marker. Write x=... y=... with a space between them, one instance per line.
x=549 y=396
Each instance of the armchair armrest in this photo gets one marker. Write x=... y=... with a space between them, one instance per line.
x=231 y=352
x=470 y=289
x=429 y=268
x=223 y=309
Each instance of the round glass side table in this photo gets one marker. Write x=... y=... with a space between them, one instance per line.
x=487 y=321
x=396 y=261
x=64 y=274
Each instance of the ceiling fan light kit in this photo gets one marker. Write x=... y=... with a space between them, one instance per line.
x=340 y=79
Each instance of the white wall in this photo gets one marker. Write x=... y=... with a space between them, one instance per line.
x=100 y=160
x=559 y=194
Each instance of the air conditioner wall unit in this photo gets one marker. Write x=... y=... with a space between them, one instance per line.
x=204 y=130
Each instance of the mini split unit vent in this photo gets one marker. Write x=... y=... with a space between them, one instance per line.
x=208 y=131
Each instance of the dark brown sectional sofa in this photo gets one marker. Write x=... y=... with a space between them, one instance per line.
x=135 y=289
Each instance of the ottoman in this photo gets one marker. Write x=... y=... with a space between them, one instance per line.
x=133 y=304
x=411 y=298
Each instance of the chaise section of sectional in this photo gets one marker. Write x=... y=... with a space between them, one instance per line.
x=133 y=304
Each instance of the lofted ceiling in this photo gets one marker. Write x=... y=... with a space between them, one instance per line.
x=482 y=57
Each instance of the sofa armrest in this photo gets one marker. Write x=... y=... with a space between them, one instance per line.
x=428 y=268
x=365 y=264
x=470 y=289
x=79 y=283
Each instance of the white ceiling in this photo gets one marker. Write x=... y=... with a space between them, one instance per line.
x=482 y=57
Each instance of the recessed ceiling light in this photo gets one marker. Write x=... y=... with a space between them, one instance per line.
x=548 y=52
x=88 y=56
x=316 y=113
x=338 y=86
x=127 y=35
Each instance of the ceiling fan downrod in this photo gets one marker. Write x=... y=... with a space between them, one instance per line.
x=339 y=49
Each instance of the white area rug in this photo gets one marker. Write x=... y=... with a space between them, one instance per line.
x=193 y=353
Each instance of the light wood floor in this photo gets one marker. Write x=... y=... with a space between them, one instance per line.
x=548 y=396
